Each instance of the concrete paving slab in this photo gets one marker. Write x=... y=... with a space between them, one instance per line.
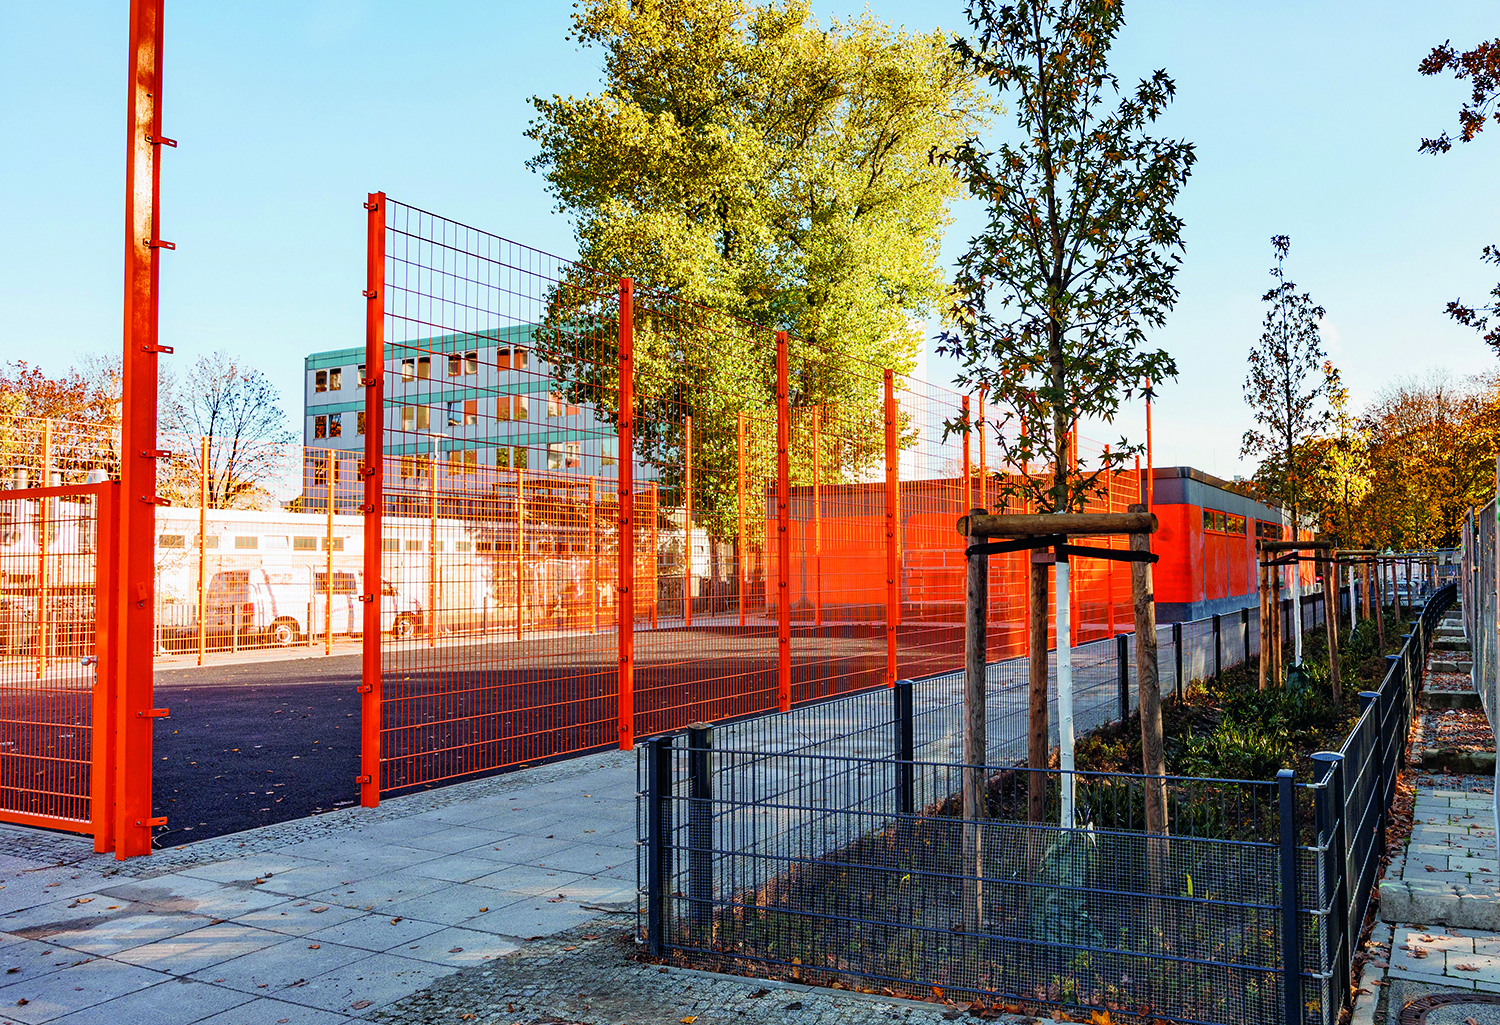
x=128 y=928
x=275 y=1012
x=453 y=904
x=456 y=839
x=271 y=970
x=298 y=917
x=74 y=988
x=374 y=982
x=456 y=868
x=383 y=892
x=249 y=868
x=201 y=948
x=178 y=1001
x=531 y=917
x=456 y=947
x=375 y=933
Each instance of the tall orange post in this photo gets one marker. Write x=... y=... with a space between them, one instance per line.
x=136 y=589
x=968 y=473
x=1109 y=567
x=655 y=564
x=892 y=526
x=783 y=531
x=44 y=527
x=203 y=547
x=374 y=501
x=817 y=461
x=984 y=484
x=593 y=562
x=625 y=636
x=687 y=523
x=333 y=476
x=1150 y=484
x=740 y=560
x=432 y=543
x=520 y=552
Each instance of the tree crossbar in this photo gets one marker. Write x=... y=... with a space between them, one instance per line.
x=1058 y=543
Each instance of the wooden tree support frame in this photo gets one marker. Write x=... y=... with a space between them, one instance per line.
x=1273 y=555
x=1048 y=537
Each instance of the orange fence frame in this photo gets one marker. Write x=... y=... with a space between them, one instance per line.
x=374 y=504
x=626 y=591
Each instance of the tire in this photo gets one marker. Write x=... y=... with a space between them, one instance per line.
x=283 y=633
x=404 y=628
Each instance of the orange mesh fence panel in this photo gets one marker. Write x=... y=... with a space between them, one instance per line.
x=50 y=698
x=500 y=512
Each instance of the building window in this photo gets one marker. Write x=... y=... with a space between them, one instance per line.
x=556 y=453
x=463 y=546
x=390 y=544
x=471 y=361
x=502 y=408
x=320 y=427
x=507 y=358
x=518 y=457
x=320 y=469
x=247 y=542
x=360 y=373
x=413 y=546
x=408 y=370
x=359 y=422
x=172 y=541
x=574 y=455
x=406 y=467
x=336 y=379
x=304 y=544
x=471 y=412
x=211 y=541
x=336 y=425
x=455 y=364
x=520 y=408
x=424 y=368
x=338 y=544
x=573 y=411
x=424 y=418
x=554 y=405
x=502 y=456
x=320 y=380
x=471 y=461
x=609 y=452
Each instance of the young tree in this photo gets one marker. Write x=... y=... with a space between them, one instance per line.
x=1288 y=387
x=1481 y=67
x=1075 y=263
x=83 y=413
x=238 y=409
x=748 y=166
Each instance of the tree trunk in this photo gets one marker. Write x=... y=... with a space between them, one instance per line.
x=1148 y=683
x=976 y=602
x=1331 y=625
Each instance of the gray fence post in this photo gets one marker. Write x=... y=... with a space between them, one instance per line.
x=1328 y=770
x=658 y=840
x=700 y=836
x=1291 y=942
x=1218 y=646
x=905 y=790
x=1245 y=626
x=1366 y=699
x=1122 y=663
x=1177 y=658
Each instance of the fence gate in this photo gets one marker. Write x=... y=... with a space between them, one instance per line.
x=56 y=659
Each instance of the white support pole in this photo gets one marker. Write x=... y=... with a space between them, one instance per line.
x=1063 y=618
x=1353 y=604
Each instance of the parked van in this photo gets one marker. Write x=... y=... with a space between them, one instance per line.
x=282 y=605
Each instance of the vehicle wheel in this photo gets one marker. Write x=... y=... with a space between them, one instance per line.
x=283 y=633
x=404 y=629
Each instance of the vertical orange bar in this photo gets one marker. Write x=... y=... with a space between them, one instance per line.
x=374 y=503
x=817 y=450
x=203 y=546
x=783 y=532
x=655 y=566
x=968 y=473
x=625 y=637
x=102 y=780
x=432 y=543
x=687 y=525
x=742 y=554
x=333 y=476
x=520 y=552
x=43 y=526
x=1109 y=567
x=984 y=484
x=593 y=561
x=1150 y=484
x=135 y=588
x=892 y=525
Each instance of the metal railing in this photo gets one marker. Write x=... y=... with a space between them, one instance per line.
x=825 y=845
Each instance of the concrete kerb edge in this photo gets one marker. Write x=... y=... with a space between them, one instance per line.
x=1371 y=983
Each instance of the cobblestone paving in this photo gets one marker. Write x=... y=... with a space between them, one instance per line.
x=590 y=977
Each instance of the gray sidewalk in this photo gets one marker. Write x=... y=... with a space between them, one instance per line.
x=319 y=920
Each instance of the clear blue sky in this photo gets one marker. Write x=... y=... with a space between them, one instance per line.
x=1306 y=115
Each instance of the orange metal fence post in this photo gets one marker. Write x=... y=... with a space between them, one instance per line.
x=593 y=561
x=520 y=552
x=374 y=502
x=138 y=501
x=626 y=620
x=432 y=543
x=44 y=525
x=968 y=474
x=783 y=532
x=1109 y=567
x=687 y=524
x=655 y=564
x=1150 y=484
x=203 y=546
x=741 y=554
x=892 y=525
x=984 y=484
x=333 y=476
x=817 y=448
x=105 y=697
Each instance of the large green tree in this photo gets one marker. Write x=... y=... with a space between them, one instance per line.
x=753 y=171
x=1077 y=259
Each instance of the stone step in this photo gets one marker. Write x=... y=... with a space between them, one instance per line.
x=1451 y=665
x=1450 y=699
x=1449 y=644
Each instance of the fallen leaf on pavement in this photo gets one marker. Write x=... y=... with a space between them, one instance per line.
x=689 y=1019
x=319 y=911
x=1466 y=968
x=482 y=910
x=574 y=947
x=758 y=993
x=360 y=1005
x=460 y=950
x=314 y=946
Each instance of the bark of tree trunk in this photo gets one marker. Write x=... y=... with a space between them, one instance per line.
x=1037 y=751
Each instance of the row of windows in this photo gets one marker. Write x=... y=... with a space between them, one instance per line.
x=561 y=455
x=465 y=413
x=462 y=364
x=331 y=425
x=1218 y=522
x=271 y=542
